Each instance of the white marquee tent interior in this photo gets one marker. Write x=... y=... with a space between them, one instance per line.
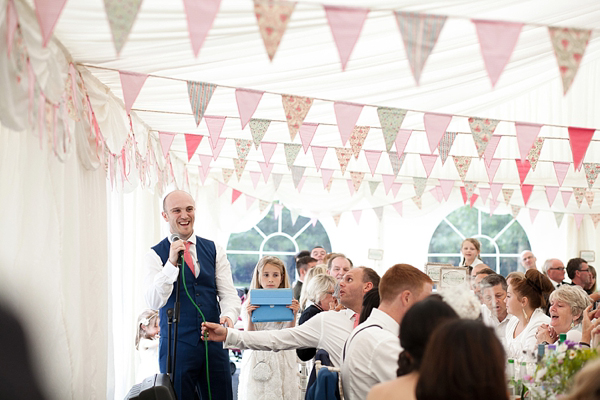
x=81 y=193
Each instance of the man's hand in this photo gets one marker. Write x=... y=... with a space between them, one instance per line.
x=176 y=247
x=214 y=332
x=226 y=321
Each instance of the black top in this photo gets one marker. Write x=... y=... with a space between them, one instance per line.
x=307 y=354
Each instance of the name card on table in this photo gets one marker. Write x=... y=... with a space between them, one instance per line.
x=433 y=270
x=453 y=277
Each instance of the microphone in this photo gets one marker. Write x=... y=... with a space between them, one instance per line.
x=173 y=238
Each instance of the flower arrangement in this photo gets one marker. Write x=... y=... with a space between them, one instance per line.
x=554 y=373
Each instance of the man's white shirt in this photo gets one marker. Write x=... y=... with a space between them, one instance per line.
x=492 y=321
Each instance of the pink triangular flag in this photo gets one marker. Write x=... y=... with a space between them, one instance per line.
x=217 y=149
x=526 y=135
x=436 y=192
x=447 y=185
x=247 y=102
x=249 y=201
x=551 y=192
x=484 y=193
x=493 y=205
x=350 y=186
x=12 y=21
x=579 y=139
x=492 y=168
x=200 y=17
x=336 y=219
x=235 y=194
x=266 y=169
x=191 y=143
x=372 y=157
x=532 y=214
x=346 y=24
x=346 y=115
x=569 y=47
x=215 y=126
x=326 y=175
x=396 y=188
x=205 y=160
x=307 y=132
x=222 y=188
x=313 y=221
x=428 y=162
x=488 y=154
x=523 y=167
x=131 y=83
x=255 y=176
x=318 y=153
x=526 y=192
x=463 y=193
x=357 y=214
x=301 y=184
x=561 y=169
x=268 y=149
x=497 y=40
x=277 y=207
x=566 y=196
x=166 y=139
x=48 y=12
x=402 y=140
x=202 y=174
x=398 y=207
x=473 y=199
x=435 y=127
x=388 y=181
x=578 y=220
x=495 y=189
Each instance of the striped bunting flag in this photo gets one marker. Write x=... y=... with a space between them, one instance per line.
x=200 y=94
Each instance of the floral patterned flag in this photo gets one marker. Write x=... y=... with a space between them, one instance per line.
x=526 y=191
x=535 y=151
x=579 y=195
x=462 y=164
x=291 y=152
x=297 y=174
x=591 y=172
x=357 y=178
x=419 y=184
x=121 y=16
x=344 y=155
x=295 y=108
x=569 y=47
x=470 y=187
x=336 y=219
x=243 y=147
x=390 y=120
x=482 y=130
x=558 y=216
x=227 y=174
x=359 y=134
x=396 y=161
x=272 y=18
x=417 y=201
x=507 y=194
x=239 y=166
x=277 y=180
x=262 y=205
x=258 y=128
x=566 y=196
x=514 y=210
x=446 y=144
x=595 y=219
x=200 y=94
x=589 y=197
x=373 y=186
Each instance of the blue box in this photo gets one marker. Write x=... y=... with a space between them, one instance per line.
x=272 y=304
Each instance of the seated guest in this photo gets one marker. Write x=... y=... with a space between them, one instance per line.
x=567 y=305
x=318 y=253
x=478 y=278
x=303 y=265
x=463 y=360
x=318 y=270
x=417 y=326
x=592 y=288
x=338 y=265
x=555 y=270
x=579 y=272
x=528 y=260
x=372 y=349
x=495 y=315
x=525 y=299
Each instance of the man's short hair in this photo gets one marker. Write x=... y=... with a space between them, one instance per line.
x=332 y=257
x=302 y=262
x=485 y=271
x=401 y=277
x=370 y=275
x=573 y=266
x=548 y=264
x=493 y=280
x=302 y=253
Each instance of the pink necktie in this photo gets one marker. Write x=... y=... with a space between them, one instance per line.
x=187 y=257
x=356 y=319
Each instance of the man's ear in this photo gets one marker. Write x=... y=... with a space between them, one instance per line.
x=164 y=215
x=368 y=286
x=405 y=297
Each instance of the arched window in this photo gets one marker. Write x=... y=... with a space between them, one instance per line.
x=273 y=237
x=502 y=239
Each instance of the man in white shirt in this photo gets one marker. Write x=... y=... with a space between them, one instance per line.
x=371 y=352
x=481 y=274
x=555 y=270
x=327 y=330
x=493 y=310
x=528 y=260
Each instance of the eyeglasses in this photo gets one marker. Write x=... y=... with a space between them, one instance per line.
x=585 y=270
x=557 y=269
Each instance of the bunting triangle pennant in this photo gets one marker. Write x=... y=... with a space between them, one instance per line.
x=239 y=166
x=435 y=127
x=447 y=185
x=526 y=135
x=417 y=201
x=578 y=220
x=373 y=186
x=336 y=219
x=402 y=140
x=569 y=47
x=591 y=172
x=462 y=164
x=419 y=184
x=247 y=102
x=526 y=191
x=313 y=221
x=255 y=176
x=205 y=160
x=470 y=187
x=419 y=34
x=47 y=13
x=484 y=193
x=202 y=174
x=388 y=181
x=396 y=188
x=390 y=120
x=357 y=214
x=294 y=215
x=291 y=152
x=497 y=40
x=436 y=192
x=428 y=161
x=493 y=205
x=561 y=169
x=473 y=199
x=372 y=157
x=463 y=193
x=482 y=130
x=579 y=139
x=514 y=210
x=350 y=187
x=235 y=194
x=318 y=155
x=262 y=205
x=227 y=174
x=589 y=197
x=346 y=24
x=277 y=180
x=191 y=143
x=121 y=15
x=490 y=150
x=131 y=84
x=268 y=149
x=446 y=144
x=359 y=134
x=492 y=168
x=215 y=126
x=357 y=178
x=346 y=115
x=266 y=170
x=379 y=213
x=398 y=207
x=300 y=186
x=307 y=132
x=166 y=139
x=326 y=175
x=297 y=174
x=396 y=161
x=217 y=150
x=272 y=19
x=243 y=146
x=507 y=194
x=579 y=194
x=222 y=188
x=535 y=151
x=532 y=214
x=200 y=94
x=328 y=187
x=523 y=167
x=295 y=108
x=258 y=128
x=558 y=216
x=344 y=155
x=566 y=196
x=277 y=209
x=200 y=16
x=595 y=219
x=249 y=201
x=495 y=189
x=551 y=192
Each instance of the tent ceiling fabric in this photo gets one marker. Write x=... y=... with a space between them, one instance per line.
x=453 y=81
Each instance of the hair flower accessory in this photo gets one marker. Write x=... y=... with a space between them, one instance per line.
x=145 y=321
x=463 y=301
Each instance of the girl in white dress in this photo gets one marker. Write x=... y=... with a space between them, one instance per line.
x=268 y=375
x=146 y=342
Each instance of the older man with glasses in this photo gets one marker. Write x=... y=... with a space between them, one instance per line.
x=579 y=272
x=555 y=270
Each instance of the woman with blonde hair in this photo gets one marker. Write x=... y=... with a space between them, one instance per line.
x=317 y=270
x=567 y=305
